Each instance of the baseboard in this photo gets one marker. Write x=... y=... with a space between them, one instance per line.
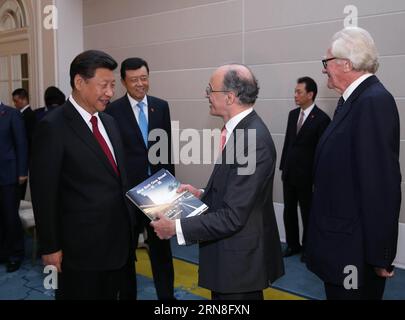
x=399 y=260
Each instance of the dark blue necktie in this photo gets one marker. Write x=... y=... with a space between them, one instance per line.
x=339 y=106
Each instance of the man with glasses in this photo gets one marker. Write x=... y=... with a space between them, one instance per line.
x=137 y=114
x=240 y=252
x=353 y=225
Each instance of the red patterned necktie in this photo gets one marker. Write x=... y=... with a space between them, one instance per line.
x=103 y=144
x=223 y=139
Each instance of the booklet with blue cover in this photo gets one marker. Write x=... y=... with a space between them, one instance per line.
x=158 y=193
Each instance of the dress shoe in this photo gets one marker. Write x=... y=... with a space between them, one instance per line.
x=13 y=266
x=291 y=251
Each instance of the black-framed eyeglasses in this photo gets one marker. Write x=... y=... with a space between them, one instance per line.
x=209 y=90
x=325 y=61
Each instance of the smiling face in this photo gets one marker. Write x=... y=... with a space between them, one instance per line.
x=137 y=83
x=95 y=93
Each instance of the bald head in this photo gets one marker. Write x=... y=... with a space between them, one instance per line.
x=239 y=79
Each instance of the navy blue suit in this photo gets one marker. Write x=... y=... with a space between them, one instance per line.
x=136 y=163
x=357 y=188
x=13 y=164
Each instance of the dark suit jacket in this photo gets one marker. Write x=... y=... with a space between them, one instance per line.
x=29 y=121
x=135 y=150
x=79 y=202
x=13 y=146
x=239 y=240
x=357 y=187
x=297 y=158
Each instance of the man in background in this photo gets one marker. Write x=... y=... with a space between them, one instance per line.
x=13 y=172
x=304 y=129
x=137 y=114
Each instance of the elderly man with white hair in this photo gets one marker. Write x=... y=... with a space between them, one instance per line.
x=353 y=225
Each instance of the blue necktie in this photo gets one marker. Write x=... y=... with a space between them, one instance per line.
x=143 y=123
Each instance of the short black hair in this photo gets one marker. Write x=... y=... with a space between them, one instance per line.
x=21 y=93
x=54 y=97
x=310 y=85
x=132 y=64
x=86 y=64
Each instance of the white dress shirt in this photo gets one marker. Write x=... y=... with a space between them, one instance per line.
x=136 y=110
x=350 y=89
x=307 y=111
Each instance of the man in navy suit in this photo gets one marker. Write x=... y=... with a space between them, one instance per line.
x=353 y=225
x=137 y=114
x=13 y=171
x=305 y=126
x=22 y=103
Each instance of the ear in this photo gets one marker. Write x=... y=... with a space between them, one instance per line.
x=348 y=66
x=230 y=98
x=79 y=82
x=311 y=95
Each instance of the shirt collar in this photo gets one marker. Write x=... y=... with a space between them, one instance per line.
x=234 y=121
x=350 y=89
x=85 y=115
x=25 y=108
x=134 y=102
x=308 y=110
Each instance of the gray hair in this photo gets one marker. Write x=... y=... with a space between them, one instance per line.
x=356 y=45
x=245 y=88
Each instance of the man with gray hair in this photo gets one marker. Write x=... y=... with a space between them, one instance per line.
x=240 y=252
x=353 y=224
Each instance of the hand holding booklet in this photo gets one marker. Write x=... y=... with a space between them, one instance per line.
x=158 y=194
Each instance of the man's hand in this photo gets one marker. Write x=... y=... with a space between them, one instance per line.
x=186 y=187
x=164 y=228
x=21 y=180
x=383 y=273
x=53 y=259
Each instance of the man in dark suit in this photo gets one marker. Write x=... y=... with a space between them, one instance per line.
x=53 y=98
x=84 y=222
x=13 y=171
x=353 y=225
x=240 y=251
x=21 y=102
x=137 y=114
x=305 y=126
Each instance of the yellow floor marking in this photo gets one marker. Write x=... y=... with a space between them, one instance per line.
x=186 y=278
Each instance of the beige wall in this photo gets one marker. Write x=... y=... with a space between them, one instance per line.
x=184 y=40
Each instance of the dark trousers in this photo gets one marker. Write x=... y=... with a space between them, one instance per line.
x=160 y=254
x=11 y=231
x=23 y=190
x=372 y=288
x=97 y=285
x=294 y=196
x=254 y=295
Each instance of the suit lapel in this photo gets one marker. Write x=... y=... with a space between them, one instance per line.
x=346 y=108
x=153 y=113
x=81 y=129
x=230 y=146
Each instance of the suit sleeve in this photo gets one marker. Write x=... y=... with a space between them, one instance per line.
x=239 y=198
x=168 y=129
x=21 y=145
x=322 y=127
x=45 y=177
x=378 y=177
x=286 y=142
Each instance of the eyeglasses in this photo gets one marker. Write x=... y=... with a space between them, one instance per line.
x=209 y=90
x=325 y=61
